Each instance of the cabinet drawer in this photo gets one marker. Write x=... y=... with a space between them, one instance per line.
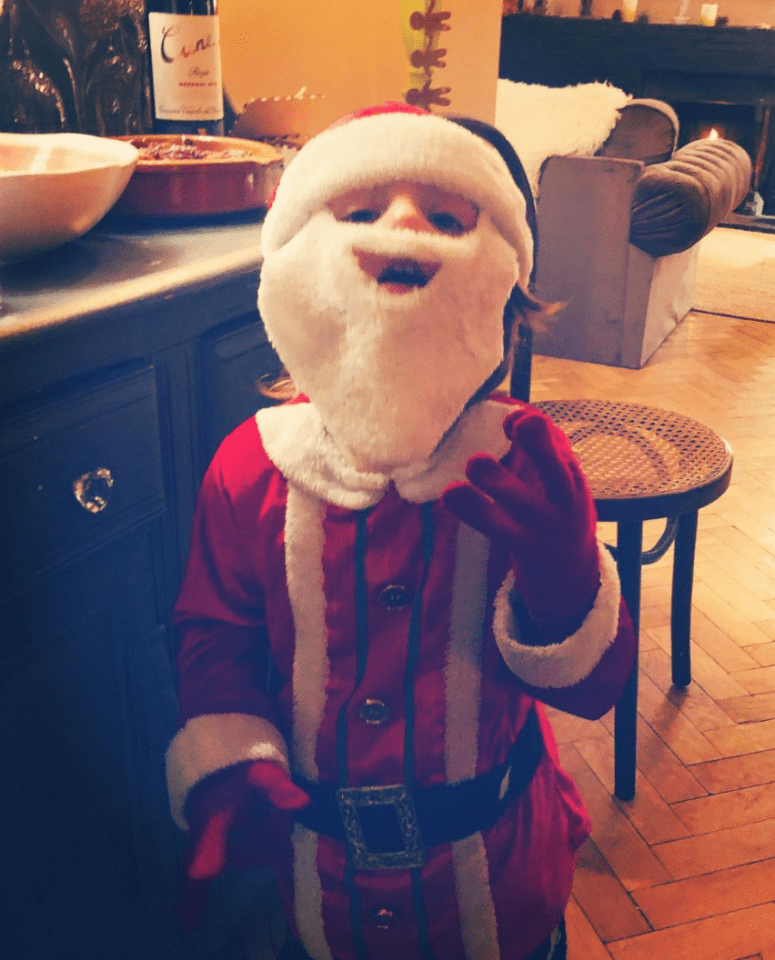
x=77 y=471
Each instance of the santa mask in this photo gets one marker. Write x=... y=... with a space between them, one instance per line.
x=389 y=368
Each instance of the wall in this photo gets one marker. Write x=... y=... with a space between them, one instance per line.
x=741 y=13
x=350 y=55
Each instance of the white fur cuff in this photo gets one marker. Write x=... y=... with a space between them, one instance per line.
x=213 y=742
x=561 y=664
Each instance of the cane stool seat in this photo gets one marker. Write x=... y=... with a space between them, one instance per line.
x=645 y=463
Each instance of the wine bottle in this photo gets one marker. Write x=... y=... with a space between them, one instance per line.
x=184 y=41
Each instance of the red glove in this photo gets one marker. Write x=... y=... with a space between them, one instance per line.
x=536 y=503
x=239 y=818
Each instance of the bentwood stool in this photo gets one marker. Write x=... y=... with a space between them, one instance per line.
x=644 y=463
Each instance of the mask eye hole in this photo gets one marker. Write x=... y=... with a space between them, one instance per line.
x=363 y=215
x=446 y=222
x=405 y=204
x=360 y=205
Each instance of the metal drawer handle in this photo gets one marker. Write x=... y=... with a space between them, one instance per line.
x=92 y=489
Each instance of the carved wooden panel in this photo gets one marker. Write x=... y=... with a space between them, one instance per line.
x=74 y=65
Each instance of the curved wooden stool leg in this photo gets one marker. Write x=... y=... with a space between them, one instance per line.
x=681 y=604
x=629 y=543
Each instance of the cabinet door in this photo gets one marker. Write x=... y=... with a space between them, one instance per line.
x=235 y=359
x=87 y=707
x=87 y=702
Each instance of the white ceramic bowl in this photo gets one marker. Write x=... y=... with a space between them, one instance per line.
x=56 y=186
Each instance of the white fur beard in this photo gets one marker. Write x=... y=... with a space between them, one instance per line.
x=389 y=373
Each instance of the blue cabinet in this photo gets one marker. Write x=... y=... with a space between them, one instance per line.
x=112 y=402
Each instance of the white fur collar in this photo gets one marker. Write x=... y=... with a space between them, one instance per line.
x=298 y=444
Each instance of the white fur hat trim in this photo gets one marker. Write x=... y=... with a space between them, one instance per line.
x=385 y=147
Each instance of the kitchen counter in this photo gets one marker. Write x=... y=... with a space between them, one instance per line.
x=123 y=262
x=101 y=298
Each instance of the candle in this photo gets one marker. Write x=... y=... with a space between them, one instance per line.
x=629 y=10
x=708 y=14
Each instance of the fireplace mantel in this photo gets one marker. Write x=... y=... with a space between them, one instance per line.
x=673 y=62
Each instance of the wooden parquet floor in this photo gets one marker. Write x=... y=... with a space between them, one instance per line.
x=686 y=870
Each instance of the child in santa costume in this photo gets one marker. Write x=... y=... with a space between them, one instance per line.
x=390 y=575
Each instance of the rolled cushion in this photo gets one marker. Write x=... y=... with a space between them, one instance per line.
x=675 y=203
x=646 y=130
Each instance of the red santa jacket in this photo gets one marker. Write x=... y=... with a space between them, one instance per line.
x=348 y=627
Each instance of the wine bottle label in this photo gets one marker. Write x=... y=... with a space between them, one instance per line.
x=186 y=67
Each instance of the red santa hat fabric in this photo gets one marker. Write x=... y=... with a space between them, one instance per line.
x=397 y=141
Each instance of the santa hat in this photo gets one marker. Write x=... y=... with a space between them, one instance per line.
x=397 y=141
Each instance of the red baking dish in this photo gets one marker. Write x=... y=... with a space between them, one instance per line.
x=181 y=175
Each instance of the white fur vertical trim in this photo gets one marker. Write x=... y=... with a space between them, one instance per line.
x=308 y=893
x=304 y=539
x=462 y=682
x=463 y=670
x=478 y=923
x=554 y=939
x=567 y=663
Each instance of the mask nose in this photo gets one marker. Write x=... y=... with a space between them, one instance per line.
x=405 y=213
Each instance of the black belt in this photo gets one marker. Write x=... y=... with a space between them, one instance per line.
x=390 y=826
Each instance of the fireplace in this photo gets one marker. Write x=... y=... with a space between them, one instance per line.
x=746 y=124
x=720 y=78
x=727 y=120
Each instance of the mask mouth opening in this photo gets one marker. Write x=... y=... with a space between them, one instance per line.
x=408 y=273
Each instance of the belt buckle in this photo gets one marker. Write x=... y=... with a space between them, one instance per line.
x=352 y=799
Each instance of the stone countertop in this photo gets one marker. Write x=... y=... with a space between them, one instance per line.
x=120 y=264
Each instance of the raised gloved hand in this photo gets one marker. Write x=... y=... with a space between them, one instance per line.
x=239 y=818
x=536 y=502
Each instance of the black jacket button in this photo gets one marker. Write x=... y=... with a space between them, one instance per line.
x=395 y=596
x=374 y=712
x=384 y=918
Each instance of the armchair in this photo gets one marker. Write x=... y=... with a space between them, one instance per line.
x=619 y=234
